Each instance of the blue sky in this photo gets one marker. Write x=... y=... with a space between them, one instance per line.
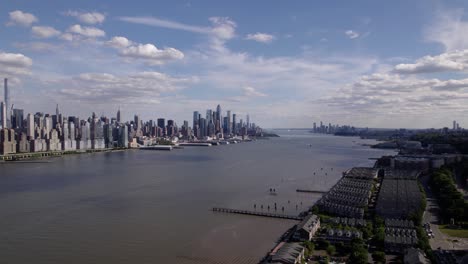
x=366 y=63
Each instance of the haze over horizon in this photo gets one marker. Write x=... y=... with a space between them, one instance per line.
x=368 y=64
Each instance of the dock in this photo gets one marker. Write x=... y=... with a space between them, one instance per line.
x=256 y=213
x=157 y=147
x=309 y=191
x=192 y=144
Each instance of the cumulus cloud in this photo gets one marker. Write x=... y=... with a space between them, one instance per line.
x=449 y=61
x=449 y=29
x=223 y=27
x=352 y=34
x=21 y=18
x=260 y=37
x=88 y=18
x=252 y=92
x=44 y=31
x=13 y=64
x=90 y=32
x=119 y=42
x=147 y=52
x=142 y=87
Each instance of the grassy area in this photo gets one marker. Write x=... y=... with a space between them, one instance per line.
x=454 y=232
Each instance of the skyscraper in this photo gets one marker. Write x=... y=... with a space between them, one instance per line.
x=219 y=115
x=17 y=118
x=30 y=126
x=118 y=116
x=195 y=118
x=3 y=112
x=7 y=103
x=229 y=124
x=234 y=124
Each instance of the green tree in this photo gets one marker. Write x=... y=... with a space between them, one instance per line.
x=379 y=256
x=331 y=250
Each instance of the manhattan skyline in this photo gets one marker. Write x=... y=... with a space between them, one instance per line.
x=387 y=65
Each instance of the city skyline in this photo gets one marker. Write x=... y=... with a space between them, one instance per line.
x=305 y=61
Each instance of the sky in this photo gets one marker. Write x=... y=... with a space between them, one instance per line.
x=388 y=64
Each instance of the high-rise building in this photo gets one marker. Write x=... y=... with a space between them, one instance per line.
x=248 y=121
x=118 y=116
x=17 y=119
x=454 y=124
x=195 y=118
x=7 y=103
x=234 y=124
x=30 y=126
x=219 y=117
x=161 y=123
x=209 y=116
x=3 y=112
x=229 y=124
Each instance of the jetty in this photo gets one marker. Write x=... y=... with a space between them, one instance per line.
x=256 y=213
x=194 y=144
x=157 y=147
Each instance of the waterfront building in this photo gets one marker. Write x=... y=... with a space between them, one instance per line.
x=307 y=228
x=30 y=126
x=7 y=104
x=7 y=141
x=209 y=116
x=123 y=136
x=53 y=143
x=23 y=145
x=287 y=253
x=38 y=145
x=4 y=114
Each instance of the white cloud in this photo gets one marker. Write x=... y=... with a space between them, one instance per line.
x=157 y=22
x=223 y=27
x=88 y=18
x=119 y=42
x=13 y=64
x=449 y=29
x=147 y=52
x=90 y=32
x=21 y=18
x=252 y=92
x=137 y=88
x=450 y=61
x=260 y=37
x=352 y=34
x=44 y=31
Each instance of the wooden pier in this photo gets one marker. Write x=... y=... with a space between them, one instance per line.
x=310 y=191
x=256 y=213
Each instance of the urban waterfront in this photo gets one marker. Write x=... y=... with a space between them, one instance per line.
x=155 y=207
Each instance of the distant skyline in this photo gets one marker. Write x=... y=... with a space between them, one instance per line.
x=364 y=63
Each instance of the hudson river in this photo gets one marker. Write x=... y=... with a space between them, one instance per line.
x=155 y=206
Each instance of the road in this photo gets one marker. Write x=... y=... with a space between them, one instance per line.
x=440 y=239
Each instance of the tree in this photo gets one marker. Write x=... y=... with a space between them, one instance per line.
x=331 y=250
x=379 y=256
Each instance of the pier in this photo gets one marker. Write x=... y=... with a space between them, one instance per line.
x=255 y=213
x=310 y=191
x=157 y=147
x=192 y=144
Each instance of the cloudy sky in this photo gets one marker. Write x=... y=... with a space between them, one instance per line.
x=365 y=63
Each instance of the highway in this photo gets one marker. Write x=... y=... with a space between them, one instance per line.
x=440 y=240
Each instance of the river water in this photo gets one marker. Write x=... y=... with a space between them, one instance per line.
x=155 y=206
